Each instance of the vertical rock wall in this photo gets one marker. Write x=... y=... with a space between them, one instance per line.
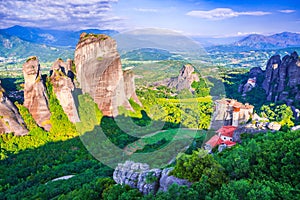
x=10 y=119
x=282 y=80
x=35 y=97
x=63 y=87
x=99 y=72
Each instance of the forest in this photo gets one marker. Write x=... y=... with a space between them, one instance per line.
x=263 y=166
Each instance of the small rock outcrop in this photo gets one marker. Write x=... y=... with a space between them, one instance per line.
x=256 y=74
x=282 y=78
x=166 y=180
x=63 y=87
x=10 y=119
x=35 y=97
x=185 y=78
x=99 y=72
x=146 y=180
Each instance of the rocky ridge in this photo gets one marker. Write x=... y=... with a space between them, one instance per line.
x=99 y=73
x=281 y=80
x=146 y=180
x=10 y=119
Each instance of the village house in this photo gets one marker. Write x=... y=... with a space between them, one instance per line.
x=229 y=114
x=223 y=137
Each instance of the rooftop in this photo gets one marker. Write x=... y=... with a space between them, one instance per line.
x=227 y=130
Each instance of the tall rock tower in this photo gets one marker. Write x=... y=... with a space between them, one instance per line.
x=35 y=97
x=282 y=78
x=99 y=72
x=63 y=87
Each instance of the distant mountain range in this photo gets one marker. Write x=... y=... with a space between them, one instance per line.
x=50 y=37
x=279 y=40
x=20 y=42
x=14 y=50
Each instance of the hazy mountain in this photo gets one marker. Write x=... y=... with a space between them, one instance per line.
x=50 y=37
x=280 y=40
x=146 y=54
x=14 y=47
x=213 y=41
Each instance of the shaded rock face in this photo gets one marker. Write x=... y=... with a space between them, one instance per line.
x=10 y=119
x=256 y=75
x=166 y=180
x=282 y=78
x=130 y=86
x=185 y=79
x=35 y=97
x=246 y=130
x=255 y=72
x=146 y=180
x=63 y=87
x=99 y=72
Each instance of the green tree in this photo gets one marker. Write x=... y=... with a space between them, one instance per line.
x=198 y=166
x=201 y=88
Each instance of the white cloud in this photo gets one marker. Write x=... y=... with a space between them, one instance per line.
x=146 y=10
x=247 y=33
x=223 y=13
x=287 y=11
x=67 y=14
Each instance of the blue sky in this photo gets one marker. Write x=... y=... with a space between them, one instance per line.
x=217 y=18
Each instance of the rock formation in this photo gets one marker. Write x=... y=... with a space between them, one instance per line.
x=130 y=85
x=99 y=72
x=10 y=119
x=256 y=75
x=63 y=87
x=185 y=79
x=146 y=180
x=35 y=97
x=166 y=180
x=282 y=79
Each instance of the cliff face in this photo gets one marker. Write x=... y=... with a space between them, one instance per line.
x=129 y=86
x=185 y=78
x=10 y=119
x=282 y=78
x=35 y=97
x=63 y=87
x=99 y=72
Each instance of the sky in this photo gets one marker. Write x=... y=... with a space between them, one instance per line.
x=211 y=18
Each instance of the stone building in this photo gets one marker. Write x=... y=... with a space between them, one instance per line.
x=230 y=112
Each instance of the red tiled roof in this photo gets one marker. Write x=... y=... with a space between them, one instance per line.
x=227 y=130
x=235 y=103
x=228 y=143
x=214 y=141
